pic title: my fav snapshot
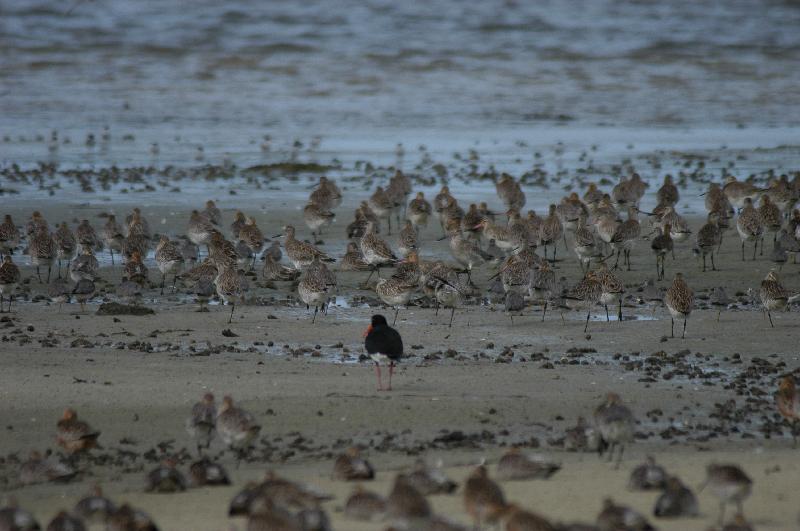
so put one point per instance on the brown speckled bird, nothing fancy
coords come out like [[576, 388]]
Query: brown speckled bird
[[237, 428], [679, 300], [9, 278], [483, 498], [615, 423], [202, 423], [351, 466], [788, 402], [516, 465], [730, 484], [75, 435]]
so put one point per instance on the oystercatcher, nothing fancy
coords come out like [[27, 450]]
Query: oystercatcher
[[383, 344]]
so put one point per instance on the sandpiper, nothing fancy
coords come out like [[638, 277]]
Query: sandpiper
[[586, 246], [709, 238], [135, 269], [351, 466], [9, 236], [615, 423], [730, 484], [42, 251], [212, 213], [407, 240], [677, 500], [679, 300], [85, 235], [375, 250], [202, 423], [9, 278], [229, 286], [662, 245], [300, 253], [542, 284], [668, 193], [771, 218], [275, 271], [364, 505], [237, 428], [317, 285], [773, 295], [252, 236], [516, 465], [430, 480], [75, 435], [483, 498], [316, 217], [551, 231], [419, 209], [165, 478], [788, 402], [205, 472], [382, 205], [592, 196], [137, 224], [648, 476], [112, 236], [83, 291], [624, 237], [199, 229], [239, 219], [353, 260], [739, 193], [613, 290], [395, 292], [169, 260], [66, 245], [586, 293]]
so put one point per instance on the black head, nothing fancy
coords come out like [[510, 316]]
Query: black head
[[379, 320]]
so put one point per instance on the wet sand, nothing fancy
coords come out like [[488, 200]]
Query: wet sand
[[496, 382]]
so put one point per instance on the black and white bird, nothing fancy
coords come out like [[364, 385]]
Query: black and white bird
[[384, 345]]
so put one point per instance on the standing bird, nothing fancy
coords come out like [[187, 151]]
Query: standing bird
[[749, 226], [237, 428], [773, 295], [419, 209], [375, 250], [316, 217], [252, 236], [169, 260], [586, 293], [484, 500], [9, 278], [9, 236], [212, 213], [300, 253], [395, 292], [83, 291], [613, 290], [615, 423], [200, 229], [668, 193], [351, 466], [65, 243], [316, 286], [679, 300], [788, 402], [624, 237], [229, 287], [202, 423], [662, 245], [42, 251], [730, 484], [383, 344], [709, 238], [551, 231], [113, 236]]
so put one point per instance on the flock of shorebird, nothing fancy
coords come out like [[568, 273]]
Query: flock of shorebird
[[475, 236], [279, 504]]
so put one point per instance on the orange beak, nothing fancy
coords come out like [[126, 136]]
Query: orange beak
[[368, 330]]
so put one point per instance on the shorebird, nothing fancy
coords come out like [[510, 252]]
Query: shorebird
[[199, 229], [406, 506], [137, 224], [615, 423], [300, 253], [679, 300], [229, 286], [252, 236], [375, 250], [35, 224], [678, 226], [395, 292], [516, 465], [483, 498], [9, 236], [605, 223], [716, 200], [449, 293], [419, 209], [788, 402], [542, 284], [59, 292], [430, 480], [676, 501], [205, 472], [771, 218], [16, 519], [9, 278], [613, 289], [383, 345], [517, 519], [624, 237], [510, 192], [75, 435], [662, 245], [648, 476], [316, 217], [738, 193], [94, 508], [364, 505], [202, 423], [165, 478], [112, 236], [399, 190], [42, 251], [126, 518], [592, 196], [586, 246], [222, 251], [586, 293], [668, 193], [326, 195], [466, 251], [85, 235], [351, 466], [41, 469], [316, 286], [551, 231], [499, 234], [782, 194], [730, 484], [63, 521], [614, 517], [709, 238], [773, 295], [212, 213], [135, 269], [382, 205], [353, 260], [275, 271], [236, 427], [83, 291], [239, 219], [66, 245], [169, 260]]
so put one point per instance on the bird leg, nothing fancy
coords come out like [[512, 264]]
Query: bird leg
[[163, 277], [313, 319], [770, 319], [673, 327], [452, 313], [59, 268], [49, 268], [174, 281], [704, 262], [38, 274], [619, 315], [391, 372], [112, 256], [586, 326], [616, 264], [683, 336], [742, 250], [544, 311], [378, 374], [607, 317], [755, 248], [230, 318], [1, 304], [619, 456], [396, 311]]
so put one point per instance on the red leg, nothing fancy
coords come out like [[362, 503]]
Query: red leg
[[378, 373], [391, 371]]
